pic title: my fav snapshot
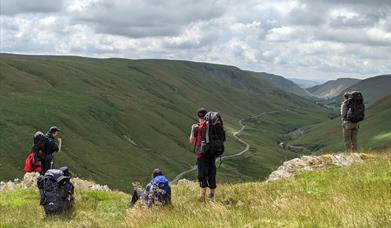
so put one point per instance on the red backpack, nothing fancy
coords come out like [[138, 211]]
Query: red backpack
[[33, 160], [32, 164]]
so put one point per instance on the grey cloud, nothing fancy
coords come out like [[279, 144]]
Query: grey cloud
[[139, 18], [13, 7], [309, 15], [345, 35], [316, 13]]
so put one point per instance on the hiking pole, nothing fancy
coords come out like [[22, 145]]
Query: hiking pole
[[51, 163], [221, 162]]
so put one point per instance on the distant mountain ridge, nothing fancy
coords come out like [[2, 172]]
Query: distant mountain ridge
[[332, 88], [303, 83], [284, 84]]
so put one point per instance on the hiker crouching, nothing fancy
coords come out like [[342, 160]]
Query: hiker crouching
[[157, 192]]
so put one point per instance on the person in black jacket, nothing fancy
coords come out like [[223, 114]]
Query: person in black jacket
[[54, 143]]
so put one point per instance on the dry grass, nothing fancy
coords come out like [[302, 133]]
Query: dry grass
[[355, 196]]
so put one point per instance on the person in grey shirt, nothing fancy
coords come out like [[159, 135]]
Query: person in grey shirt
[[349, 129]]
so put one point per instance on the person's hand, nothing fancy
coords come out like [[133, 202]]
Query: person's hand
[[193, 126]]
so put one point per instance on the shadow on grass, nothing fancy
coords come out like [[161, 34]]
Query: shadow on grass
[[63, 216]]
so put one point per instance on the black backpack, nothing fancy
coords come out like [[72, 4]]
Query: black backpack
[[56, 191], [356, 108], [40, 144], [215, 134]]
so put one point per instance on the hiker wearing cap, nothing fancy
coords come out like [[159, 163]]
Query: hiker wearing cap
[[206, 165], [54, 143], [157, 192]]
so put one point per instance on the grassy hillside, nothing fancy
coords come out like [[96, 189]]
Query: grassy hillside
[[121, 118], [332, 88], [284, 84], [354, 196], [375, 130], [373, 89]]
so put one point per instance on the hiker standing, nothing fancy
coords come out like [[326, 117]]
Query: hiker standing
[[208, 136], [54, 143], [352, 112]]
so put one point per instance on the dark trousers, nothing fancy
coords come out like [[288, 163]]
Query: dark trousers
[[138, 192], [207, 172], [46, 165]]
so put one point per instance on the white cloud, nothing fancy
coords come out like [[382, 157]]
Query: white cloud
[[300, 38]]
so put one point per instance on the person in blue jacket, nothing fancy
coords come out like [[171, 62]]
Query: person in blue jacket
[[157, 192]]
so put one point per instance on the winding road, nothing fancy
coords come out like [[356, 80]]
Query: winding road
[[235, 135]]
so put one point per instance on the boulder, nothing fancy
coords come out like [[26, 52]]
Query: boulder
[[310, 163]]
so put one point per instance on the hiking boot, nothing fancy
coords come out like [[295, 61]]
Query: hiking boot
[[201, 198], [211, 197], [202, 195]]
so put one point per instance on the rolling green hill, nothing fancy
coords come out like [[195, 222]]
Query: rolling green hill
[[332, 88], [284, 84], [375, 131], [121, 118]]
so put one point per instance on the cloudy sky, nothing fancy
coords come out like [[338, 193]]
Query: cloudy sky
[[310, 39]]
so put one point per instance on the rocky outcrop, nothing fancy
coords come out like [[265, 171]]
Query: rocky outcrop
[[30, 180], [310, 163], [84, 185]]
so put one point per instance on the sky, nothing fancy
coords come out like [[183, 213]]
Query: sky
[[307, 39]]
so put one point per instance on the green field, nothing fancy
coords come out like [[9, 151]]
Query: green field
[[374, 132], [121, 118], [354, 196]]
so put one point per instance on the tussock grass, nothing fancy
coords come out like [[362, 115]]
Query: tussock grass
[[354, 196]]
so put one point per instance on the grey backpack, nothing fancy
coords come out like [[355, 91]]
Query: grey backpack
[[56, 191]]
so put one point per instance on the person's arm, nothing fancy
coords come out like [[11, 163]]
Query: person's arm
[[59, 140], [192, 138], [148, 188], [52, 147], [344, 109]]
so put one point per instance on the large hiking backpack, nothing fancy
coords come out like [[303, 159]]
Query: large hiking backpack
[[41, 142], [56, 191], [214, 134], [160, 190], [356, 108], [34, 158]]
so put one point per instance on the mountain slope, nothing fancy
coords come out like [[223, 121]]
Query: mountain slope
[[332, 88], [284, 84], [122, 118], [375, 131], [373, 89], [354, 196]]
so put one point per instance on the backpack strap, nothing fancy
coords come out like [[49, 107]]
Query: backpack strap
[[208, 117]]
